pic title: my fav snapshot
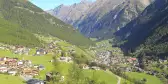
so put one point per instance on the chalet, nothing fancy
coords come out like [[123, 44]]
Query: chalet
[[131, 60], [12, 72], [62, 78], [2, 62], [51, 45], [3, 69], [41, 67], [20, 62], [1, 47], [41, 52], [49, 76], [65, 59], [84, 66], [95, 68], [36, 66], [28, 63], [26, 71], [11, 62], [29, 71], [35, 72]]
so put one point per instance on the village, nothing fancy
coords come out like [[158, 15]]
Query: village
[[103, 60], [18, 66]]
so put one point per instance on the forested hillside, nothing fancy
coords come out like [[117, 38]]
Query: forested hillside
[[148, 32], [34, 20], [14, 35]]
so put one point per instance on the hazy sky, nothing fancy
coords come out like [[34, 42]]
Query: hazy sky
[[50, 4]]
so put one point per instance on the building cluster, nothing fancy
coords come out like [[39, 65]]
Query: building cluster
[[14, 66], [21, 50], [107, 58]]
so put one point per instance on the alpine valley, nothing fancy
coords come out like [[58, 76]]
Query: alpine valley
[[90, 42]]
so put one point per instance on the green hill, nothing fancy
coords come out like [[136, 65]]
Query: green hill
[[35, 21], [14, 35]]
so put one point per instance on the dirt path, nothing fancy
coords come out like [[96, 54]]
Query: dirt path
[[119, 79]]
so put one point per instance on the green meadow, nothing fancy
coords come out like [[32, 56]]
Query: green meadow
[[140, 76]]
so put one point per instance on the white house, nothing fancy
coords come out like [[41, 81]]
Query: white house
[[95, 68], [62, 78], [3, 69], [12, 72], [20, 63], [85, 67], [65, 59], [2, 47]]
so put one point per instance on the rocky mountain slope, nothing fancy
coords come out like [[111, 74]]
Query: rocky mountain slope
[[103, 16], [148, 32], [70, 14], [33, 20]]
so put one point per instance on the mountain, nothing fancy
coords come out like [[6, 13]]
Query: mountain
[[70, 14], [148, 32], [118, 18], [103, 16], [87, 24], [28, 20]]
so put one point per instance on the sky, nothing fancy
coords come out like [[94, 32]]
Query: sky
[[50, 4]]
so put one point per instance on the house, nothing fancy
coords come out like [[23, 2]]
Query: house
[[12, 72], [30, 71], [49, 76], [36, 66], [35, 81], [27, 71], [95, 68], [41, 67], [35, 72], [3, 69], [84, 66], [11, 63], [51, 45], [65, 59], [1, 47], [62, 78], [27, 63], [41, 52], [20, 62], [131, 60], [2, 62]]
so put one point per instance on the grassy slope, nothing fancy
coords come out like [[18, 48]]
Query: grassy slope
[[150, 79], [108, 78], [13, 34], [31, 18]]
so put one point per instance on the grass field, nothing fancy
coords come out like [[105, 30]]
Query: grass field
[[150, 79], [7, 79], [107, 77]]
